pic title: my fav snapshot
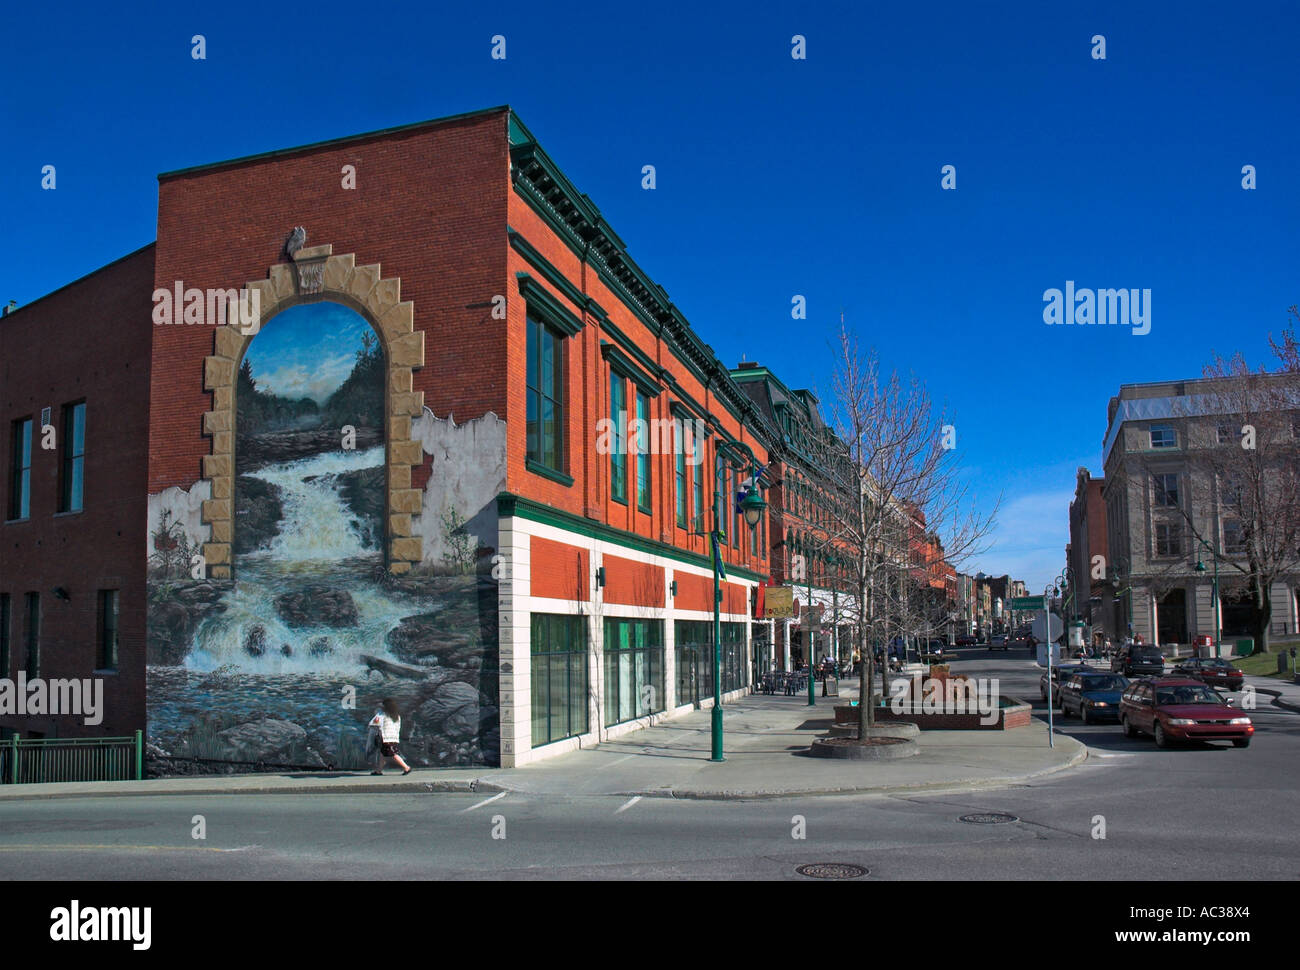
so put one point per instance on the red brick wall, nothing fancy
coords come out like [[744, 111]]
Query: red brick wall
[[587, 387], [559, 570], [631, 583], [89, 340], [429, 207]]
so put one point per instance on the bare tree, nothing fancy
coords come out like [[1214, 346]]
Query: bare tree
[[893, 454]]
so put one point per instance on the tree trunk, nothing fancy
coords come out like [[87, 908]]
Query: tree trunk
[[1263, 616]]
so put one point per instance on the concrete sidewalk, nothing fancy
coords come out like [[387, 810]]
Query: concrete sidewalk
[[766, 742], [1283, 693]]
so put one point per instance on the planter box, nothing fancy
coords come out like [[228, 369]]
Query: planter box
[[1011, 713]]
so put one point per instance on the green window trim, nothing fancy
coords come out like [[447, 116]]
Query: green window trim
[[683, 500], [552, 275], [548, 307], [623, 363], [619, 451], [643, 470], [20, 480], [544, 440], [537, 468], [72, 468], [559, 677]]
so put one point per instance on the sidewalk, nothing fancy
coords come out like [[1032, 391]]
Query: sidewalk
[[1284, 693], [766, 741]]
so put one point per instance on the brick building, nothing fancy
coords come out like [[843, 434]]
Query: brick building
[[449, 444]]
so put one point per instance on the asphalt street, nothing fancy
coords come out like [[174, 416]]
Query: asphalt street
[[1200, 812]]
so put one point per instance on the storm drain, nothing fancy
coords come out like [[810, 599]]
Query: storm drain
[[989, 818], [832, 870]]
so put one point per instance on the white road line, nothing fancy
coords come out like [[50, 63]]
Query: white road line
[[485, 801], [1099, 754], [628, 804]]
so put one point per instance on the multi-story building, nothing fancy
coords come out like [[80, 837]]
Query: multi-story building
[[1172, 501], [806, 499], [1093, 597], [394, 415]]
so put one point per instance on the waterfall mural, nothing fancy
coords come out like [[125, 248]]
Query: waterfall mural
[[283, 664]]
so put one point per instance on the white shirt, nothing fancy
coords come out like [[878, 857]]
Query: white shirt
[[390, 728]]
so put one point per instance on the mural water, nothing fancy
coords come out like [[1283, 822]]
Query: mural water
[[284, 665]]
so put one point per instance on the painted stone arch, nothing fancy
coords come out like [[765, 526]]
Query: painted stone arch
[[316, 275]]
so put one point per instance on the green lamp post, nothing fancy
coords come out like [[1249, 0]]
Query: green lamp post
[[752, 507]]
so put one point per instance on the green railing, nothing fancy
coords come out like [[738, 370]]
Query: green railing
[[35, 760]]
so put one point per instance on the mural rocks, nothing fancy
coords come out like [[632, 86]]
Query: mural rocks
[[174, 614], [270, 740], [317, 606], [270, 447], [320, 647], [255, 641], [363, 492], [258, 510]]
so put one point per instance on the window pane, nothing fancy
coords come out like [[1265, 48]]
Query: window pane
[[534, 432], [533, 351]]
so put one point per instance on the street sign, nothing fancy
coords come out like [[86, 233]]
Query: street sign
[[778, 602], [1026, 602], [1040, 628]]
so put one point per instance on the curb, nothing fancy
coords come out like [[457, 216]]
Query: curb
[[1277, 699], [489, 785]]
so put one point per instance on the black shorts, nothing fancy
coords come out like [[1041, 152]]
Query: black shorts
[[388, 748]]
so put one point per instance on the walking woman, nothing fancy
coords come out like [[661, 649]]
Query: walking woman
[[388, 722]]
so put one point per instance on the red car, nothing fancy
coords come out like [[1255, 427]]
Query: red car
[[1215, 672], [966, 641], [1181, 709]]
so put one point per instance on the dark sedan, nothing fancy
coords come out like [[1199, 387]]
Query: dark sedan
[[1138, 660], [1179, 709], [1215, 672], [1059, 672], [1094, 697]]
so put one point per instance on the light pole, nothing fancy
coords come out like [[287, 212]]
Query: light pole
[[1048, 595], [1117, 578], [752, 506], [1214, 589]]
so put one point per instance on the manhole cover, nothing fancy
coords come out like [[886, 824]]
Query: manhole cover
[[832, 870], [989, 818]]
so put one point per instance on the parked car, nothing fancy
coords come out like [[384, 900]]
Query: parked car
[[1181, 709], [999, 642], [1094, 696], [966, 641], [1214, 671], [1138, 660], [1057, 673]]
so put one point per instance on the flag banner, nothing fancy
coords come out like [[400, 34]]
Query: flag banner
[[718, 564]]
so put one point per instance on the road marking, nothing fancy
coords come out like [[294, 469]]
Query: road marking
[[1099, 754], [628, 804], [19, 847], [485, 801]]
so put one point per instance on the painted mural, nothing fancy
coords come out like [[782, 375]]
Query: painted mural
[[282, 665]]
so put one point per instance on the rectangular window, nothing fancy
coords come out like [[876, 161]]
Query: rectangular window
[[634, 669], [697, 484], [694, 653], [545, 383], [1234, 537], [643, 452], [1165, 491], [1163, 436], [33, 611], [618, 448], [719, 499], [4, 635], [108, 610], [559, 677], [1226, 435], [1169, 540], [683, 514], [20, 494], [72, 473]]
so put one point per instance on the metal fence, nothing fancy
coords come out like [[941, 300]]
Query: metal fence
[[35, 760]]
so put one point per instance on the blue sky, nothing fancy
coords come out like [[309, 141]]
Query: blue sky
[[307, 351], [775, 177]]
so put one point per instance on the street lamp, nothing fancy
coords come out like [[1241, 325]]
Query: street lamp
[[1214, 589], [752, 507], [1117, 578]]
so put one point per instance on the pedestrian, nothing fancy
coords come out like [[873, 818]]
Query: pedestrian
[[388, 723]]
